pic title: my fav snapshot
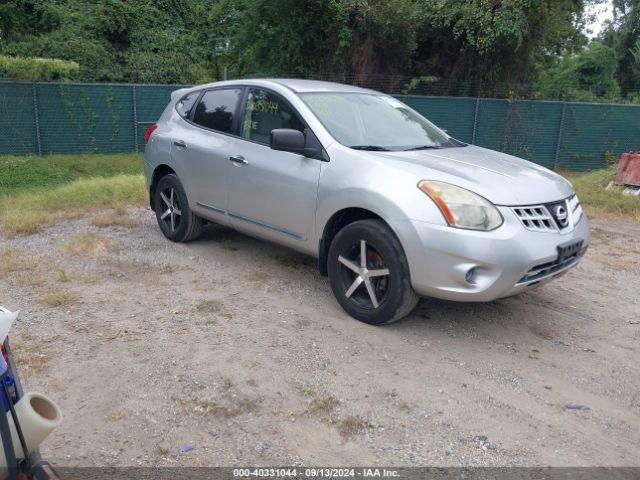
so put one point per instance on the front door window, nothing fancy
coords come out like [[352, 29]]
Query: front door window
[[266, 111]]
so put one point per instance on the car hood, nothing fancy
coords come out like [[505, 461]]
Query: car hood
[[503, 179]]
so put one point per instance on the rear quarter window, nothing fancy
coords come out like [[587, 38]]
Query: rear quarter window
[[185, 104]]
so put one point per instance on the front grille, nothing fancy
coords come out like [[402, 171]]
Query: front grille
[[539, 272], [536, 218], [551, 217]]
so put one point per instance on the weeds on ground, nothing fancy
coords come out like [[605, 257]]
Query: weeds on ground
[[234, 407], [63, 276], [58, 298], [291, 259], [324, 407], [16, 264], [304, 390], [30, 354], [112, 218], [89, 245], [215, 307], [597, 201], [351, 426], [115, 416], [257, 276], [14, 260], [162, 450], [230, 245], [227, 384], [318, 404]]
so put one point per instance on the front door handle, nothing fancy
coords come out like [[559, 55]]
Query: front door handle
[[180, 143], [239, 160]]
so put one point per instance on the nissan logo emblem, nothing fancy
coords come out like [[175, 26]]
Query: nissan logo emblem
[[561, 215]]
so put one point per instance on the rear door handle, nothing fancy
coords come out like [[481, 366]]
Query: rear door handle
[[238, 160], [180, 143]]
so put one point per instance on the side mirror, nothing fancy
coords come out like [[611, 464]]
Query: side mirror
[[288, 140]]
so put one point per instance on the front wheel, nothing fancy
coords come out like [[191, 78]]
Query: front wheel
[[369, 274]]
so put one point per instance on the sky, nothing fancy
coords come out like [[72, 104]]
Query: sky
[[604, 12]]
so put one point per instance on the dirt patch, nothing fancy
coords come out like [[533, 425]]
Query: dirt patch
[[202, 354], [114, 218], [89, 245]]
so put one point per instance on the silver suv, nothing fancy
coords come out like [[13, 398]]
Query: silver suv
[[391, 205]]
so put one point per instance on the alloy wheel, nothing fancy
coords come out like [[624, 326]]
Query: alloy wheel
[[364, 275], [173, 214]]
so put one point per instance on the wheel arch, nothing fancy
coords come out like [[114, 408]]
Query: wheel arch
[[159, 172], [337, 222]]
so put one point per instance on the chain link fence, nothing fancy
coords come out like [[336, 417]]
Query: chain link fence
[[50, 118]]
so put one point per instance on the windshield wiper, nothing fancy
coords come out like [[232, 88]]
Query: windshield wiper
[[423, 147], [373, 148]]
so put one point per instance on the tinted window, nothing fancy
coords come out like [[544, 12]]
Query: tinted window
[[265, 112], [185, 104], [217, 108]]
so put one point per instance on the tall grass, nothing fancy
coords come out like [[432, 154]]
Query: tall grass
[[599, 202], [32, 210], [18, 174]]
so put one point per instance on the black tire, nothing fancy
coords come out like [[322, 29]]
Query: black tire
[[186, 226], [393, 292]]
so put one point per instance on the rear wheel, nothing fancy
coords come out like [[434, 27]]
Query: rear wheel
[[174, 216], [369, 273]]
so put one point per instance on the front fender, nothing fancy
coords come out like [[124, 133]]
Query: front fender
[[387, 191]]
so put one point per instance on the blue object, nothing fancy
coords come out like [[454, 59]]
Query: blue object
[[11, 387], [3, 365]]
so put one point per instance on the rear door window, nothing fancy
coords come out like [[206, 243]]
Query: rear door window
[[217, 108], [266, 111]]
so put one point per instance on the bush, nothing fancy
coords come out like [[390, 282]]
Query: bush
[[28, 68]]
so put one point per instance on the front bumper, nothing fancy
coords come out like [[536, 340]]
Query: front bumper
[[506, 261]]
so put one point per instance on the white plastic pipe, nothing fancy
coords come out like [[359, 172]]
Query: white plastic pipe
[[38, 416]]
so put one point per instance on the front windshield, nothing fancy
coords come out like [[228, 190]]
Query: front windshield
[[375, 122]]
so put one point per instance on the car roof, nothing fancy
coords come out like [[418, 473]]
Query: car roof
[[306, 86], [294, 84]]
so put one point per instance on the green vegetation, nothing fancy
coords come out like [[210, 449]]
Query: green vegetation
[[588, 76], [30, 211], [149, 41], [37, 191], [472, 46], [37, 68], [601, 203], [32, 173]]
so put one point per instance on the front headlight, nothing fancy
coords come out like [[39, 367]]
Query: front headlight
[[462, 208]]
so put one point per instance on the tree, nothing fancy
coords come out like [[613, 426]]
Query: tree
[[461, 42], [623, 36], [587, 76], [112, 40], [471, 46]]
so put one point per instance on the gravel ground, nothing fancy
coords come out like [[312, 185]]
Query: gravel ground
[[231, 351]]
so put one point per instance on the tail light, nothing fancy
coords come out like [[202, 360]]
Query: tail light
[[147, 135]]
